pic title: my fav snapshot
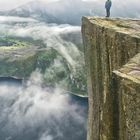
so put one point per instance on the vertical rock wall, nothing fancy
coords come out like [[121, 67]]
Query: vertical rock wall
[[127, 79], [109, 44]]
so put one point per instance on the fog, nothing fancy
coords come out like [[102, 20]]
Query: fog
[[53, 36], [10, 19], [30, 111], [69, 12], [120, 8], [127, 8], [33, 112]]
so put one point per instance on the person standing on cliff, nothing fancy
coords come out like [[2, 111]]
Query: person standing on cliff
[[108, 6]]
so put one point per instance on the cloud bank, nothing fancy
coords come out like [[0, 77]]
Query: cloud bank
[[31, 112], [127, 8], [69, 11], [34, 113], [62, 38]]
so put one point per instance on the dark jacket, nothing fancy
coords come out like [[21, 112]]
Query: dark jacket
[[108, 4]]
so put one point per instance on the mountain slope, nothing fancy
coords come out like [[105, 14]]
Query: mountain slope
[[34, 9], [60, 12]]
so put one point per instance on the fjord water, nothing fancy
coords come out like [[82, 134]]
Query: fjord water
[[31, 112]]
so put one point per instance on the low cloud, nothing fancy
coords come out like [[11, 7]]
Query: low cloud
[[34, 113], [52, 35], [66, 11], [6, 19], [31, 111]]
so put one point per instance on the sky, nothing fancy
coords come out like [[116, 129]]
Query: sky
[[37, 113], [9, 4], [130, 5]]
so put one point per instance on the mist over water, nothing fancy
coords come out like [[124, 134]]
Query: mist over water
[[51, 34], [62, 38], [33, 112]]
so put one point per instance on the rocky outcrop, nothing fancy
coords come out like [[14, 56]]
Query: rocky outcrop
[[21, 60], [113, 85], [19, 57], [127, 81]]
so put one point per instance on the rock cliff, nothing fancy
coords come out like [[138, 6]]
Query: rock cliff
[[113, 71]]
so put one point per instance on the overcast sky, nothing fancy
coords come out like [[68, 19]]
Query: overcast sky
[[9, 4], [125, 8]]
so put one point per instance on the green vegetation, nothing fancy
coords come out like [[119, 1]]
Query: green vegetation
[[19, 57], [45, 59], [10, 43]]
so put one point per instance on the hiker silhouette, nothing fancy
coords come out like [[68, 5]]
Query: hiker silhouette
[[108, 5]]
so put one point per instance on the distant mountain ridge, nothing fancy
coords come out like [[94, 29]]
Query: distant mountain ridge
[[60, 12], [34, 9]]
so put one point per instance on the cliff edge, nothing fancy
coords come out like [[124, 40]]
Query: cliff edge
[[112, 48]]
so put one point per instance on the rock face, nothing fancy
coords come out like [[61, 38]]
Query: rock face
[[127, 81], [20, 61], [113, 79]]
